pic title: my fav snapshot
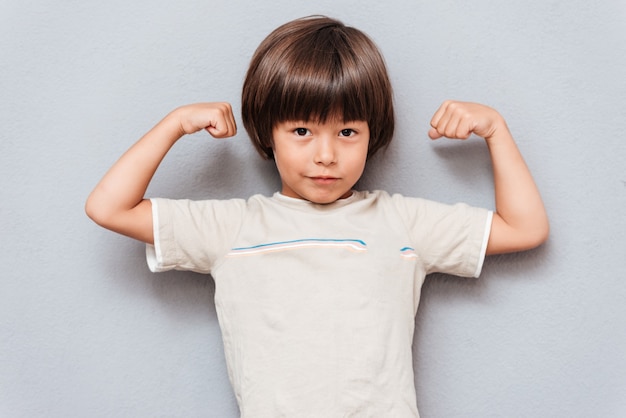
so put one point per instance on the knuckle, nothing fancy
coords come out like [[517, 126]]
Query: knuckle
[[452, 105]]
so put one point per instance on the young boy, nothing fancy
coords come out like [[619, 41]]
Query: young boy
[[317, 286]]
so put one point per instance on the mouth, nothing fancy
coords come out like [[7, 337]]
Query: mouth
[[324, 180]]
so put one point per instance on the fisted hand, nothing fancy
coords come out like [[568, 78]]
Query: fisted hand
[[458, 120], [216, 118]]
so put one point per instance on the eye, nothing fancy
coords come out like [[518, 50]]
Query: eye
[[346, 132], [301, 131]]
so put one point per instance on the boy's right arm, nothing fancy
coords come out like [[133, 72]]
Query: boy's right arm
[[117, 202]]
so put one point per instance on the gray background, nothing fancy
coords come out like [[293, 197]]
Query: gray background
[[87, 330]]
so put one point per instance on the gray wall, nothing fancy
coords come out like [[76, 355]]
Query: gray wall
[[86, 330]]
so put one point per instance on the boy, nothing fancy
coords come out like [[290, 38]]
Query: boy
[[317, 286]]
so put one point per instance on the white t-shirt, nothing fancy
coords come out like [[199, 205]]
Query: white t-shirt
[[316, 303]]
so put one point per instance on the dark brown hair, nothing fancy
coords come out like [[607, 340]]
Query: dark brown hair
[[313, 69]]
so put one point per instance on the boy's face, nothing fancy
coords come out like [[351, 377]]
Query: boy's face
[[320, 162]]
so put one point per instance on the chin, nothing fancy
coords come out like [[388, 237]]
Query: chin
[[325, 200], [322, 201]]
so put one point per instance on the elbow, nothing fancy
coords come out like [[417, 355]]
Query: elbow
[[91, 210], [95, 212], [539, 240], [535, 231], [539, 235]]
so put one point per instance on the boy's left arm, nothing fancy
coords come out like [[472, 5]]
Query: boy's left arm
[[520, 221]]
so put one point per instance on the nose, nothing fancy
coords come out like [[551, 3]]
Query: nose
[[325, 152]]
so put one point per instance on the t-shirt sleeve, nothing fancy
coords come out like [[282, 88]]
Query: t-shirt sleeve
[[448, 239], [192, 235]]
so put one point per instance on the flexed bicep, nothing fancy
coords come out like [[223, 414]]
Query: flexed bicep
[[117, 202]]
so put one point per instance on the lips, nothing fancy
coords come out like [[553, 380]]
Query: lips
[[324, 180]]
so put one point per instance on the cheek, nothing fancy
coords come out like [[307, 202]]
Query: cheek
[[359, 167], [358, 158], [286, 161]]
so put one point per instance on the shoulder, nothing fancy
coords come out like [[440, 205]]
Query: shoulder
[[191, 204], [197, 212], [424, 211], [397, 200]]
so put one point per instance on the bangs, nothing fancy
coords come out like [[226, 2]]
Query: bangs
[[321, 84]]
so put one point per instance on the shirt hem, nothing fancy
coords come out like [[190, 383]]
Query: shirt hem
[[483, 248]]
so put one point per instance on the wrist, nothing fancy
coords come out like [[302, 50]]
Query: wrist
[[499, 130], [173, 126]]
